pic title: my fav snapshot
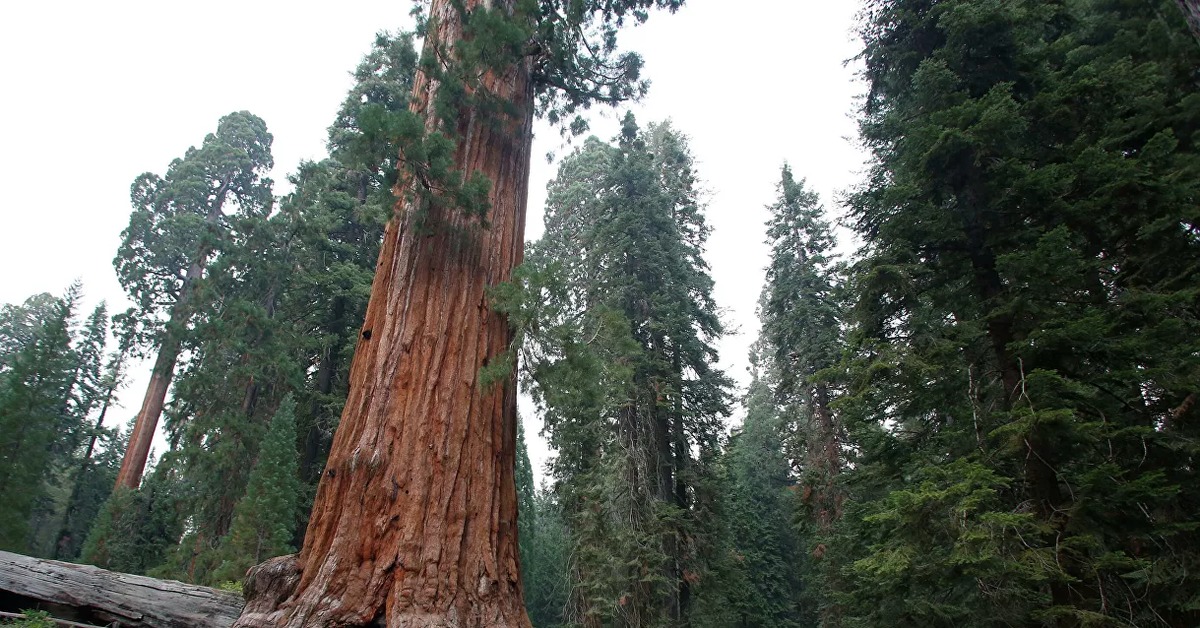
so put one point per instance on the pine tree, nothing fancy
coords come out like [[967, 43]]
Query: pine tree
[[621, 266], [758, 579], [265, 519], [136, 529], [526, 492], [1029, 235], [545, 563], [36, 425], [19, 325], [802, 321]]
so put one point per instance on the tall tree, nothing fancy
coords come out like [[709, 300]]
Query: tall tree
[[265, 519], [414, 521], [757, 582], [802, 321], [340, 206], [178, 222], [620, 322], [1030, 226], [36, 422]]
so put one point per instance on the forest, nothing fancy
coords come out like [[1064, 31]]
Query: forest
[[972, 400]]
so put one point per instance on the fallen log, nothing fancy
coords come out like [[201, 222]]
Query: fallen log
[[131, 601]]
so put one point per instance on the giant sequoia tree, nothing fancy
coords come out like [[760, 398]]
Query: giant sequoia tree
[[178, 222], [414, 522]]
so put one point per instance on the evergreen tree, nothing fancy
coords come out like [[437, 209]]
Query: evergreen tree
[[36, 424], [340, 206], [51, 385], [101, 457], [179, 221], [264, 521], [136, 529], [19, 324], [455, 234], [621, 266], [1030, 238], [545, 563], [277, 313], [758, 579], [802, 321], [526, 495]]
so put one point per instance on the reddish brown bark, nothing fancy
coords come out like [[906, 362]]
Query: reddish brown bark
[[146, 422], [414, 522]]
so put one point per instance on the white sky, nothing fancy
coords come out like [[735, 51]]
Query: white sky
[[93, 94]]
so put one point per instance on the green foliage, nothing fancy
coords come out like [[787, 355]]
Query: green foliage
[[264, 521], [35, 392], [543, 546], [51, 384], [136, 529], [1029, 224], [616, 310], [566, 49], [757, 574], [31, 619], [545, 563], [181, 219]]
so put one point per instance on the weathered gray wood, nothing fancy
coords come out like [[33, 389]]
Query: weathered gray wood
[[134, 601]]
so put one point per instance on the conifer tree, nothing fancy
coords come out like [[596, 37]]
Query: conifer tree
[[340, 206], [36, 424], [264, 521], [802, 320], [465, 150], [19, 324], [758, 579], [545, 563], [136, 529], [179, 221], [1029, 229], [621, 266]]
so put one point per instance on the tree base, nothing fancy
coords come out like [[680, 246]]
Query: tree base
[[270, 586]]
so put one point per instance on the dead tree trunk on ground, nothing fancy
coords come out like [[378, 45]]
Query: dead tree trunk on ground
[[132, 601]]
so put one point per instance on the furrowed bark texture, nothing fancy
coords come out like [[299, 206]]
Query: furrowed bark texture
[[415, 518]]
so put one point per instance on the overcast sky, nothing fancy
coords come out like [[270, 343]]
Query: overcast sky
[[93, 94]]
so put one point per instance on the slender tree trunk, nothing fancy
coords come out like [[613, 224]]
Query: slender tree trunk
[[415, 518], [146, 422]]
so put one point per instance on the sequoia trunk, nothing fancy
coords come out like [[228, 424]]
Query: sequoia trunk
[[146, 422], [415, 517]]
